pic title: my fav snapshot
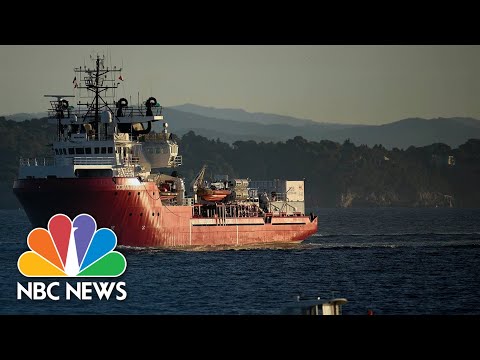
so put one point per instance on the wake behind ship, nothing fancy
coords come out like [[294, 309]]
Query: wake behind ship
[[106, 162]]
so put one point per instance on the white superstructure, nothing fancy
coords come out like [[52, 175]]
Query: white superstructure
[[101, 136]]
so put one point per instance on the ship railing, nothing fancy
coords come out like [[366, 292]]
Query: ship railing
[[125, 171], [133, 161], [37, 162], [139, 110], [224, 211], [284, 210], [154, 136], [127, 111], [276, 196], [91, 160]]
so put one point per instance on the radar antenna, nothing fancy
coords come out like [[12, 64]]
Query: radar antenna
[[96, 82], [58, 108]]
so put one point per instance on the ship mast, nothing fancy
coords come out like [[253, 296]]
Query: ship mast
[[97, 92], [97, 84]]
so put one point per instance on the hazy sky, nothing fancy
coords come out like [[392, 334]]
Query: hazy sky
[[343, 84]]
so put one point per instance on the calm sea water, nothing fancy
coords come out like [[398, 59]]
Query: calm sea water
[[393, 261]]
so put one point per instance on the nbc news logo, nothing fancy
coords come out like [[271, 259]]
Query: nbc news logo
[[72, 249]]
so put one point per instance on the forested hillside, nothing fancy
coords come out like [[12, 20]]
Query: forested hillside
[[335, 174]]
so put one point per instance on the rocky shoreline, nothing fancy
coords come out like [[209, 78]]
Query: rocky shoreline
[[392, 199]]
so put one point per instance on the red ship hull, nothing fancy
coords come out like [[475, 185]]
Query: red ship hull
[[134, 210]]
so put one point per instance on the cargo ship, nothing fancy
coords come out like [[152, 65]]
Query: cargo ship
[[106, 161]]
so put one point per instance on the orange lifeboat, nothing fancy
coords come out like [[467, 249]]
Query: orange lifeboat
[[166, 195], [213, 195]]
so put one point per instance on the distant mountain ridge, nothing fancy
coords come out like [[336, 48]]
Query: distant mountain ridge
[[413, 132], [258, 117], [400, 134], [230, 125]]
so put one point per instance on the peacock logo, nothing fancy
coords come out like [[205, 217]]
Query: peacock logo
[[72, 249]]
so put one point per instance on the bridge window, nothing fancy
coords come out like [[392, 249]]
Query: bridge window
[[64, 151], [88, 150], [71, 151], [56, 151], [80, 151], [103, 150], [96, 150], [110, 150]]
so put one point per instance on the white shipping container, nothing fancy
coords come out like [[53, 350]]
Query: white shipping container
[[295, 190]]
